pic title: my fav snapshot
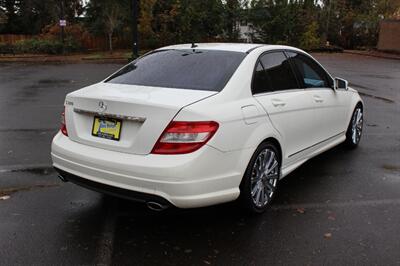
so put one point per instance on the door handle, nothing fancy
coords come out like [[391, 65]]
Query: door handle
[[277, 102], [318, 99]]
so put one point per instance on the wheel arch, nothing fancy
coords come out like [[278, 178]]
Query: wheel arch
[[272, 140], [354, 102], [275, 142], [361, 104], [244, 183]]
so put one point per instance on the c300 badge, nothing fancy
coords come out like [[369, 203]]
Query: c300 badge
[[102, 106]]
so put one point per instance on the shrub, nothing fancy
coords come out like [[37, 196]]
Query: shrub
[[309, 39], [40, 46], [6, 48]]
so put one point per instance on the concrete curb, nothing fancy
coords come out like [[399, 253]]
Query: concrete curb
[[61, 59], [80, 61], [382, 55]]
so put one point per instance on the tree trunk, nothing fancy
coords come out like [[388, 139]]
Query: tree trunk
[[110, 34]]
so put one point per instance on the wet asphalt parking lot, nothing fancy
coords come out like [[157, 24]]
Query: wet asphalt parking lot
[[341, 208]]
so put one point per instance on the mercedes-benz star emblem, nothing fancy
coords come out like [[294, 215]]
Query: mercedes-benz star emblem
[[102, 106]]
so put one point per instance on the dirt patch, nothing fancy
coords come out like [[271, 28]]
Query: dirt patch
[[9, 191], [390, 167], [36, 170]]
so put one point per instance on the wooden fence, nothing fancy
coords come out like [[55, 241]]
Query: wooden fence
[[101, 43], [389, 36], [13, 38]]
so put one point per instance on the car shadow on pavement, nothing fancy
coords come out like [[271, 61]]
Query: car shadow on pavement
[[218, 233]]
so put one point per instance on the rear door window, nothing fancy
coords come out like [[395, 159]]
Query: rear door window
[[181, 69], [278, 72]]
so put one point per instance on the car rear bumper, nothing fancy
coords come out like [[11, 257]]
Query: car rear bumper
[[205, 177], [112, 190]]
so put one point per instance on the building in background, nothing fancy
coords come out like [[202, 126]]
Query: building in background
[[389, 35], [246, 31], [3, 17]]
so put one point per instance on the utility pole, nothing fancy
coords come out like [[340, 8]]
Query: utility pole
[[62, 25], [329, 18], [135, 15]]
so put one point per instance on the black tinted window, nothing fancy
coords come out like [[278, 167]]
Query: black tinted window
[[312, 75], [260, 82], [181, 69], [278, 71]]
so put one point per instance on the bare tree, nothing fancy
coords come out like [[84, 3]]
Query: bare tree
[[112, 21]]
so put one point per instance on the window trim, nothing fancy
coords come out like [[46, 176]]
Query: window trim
[[285, 51], [291, 67]]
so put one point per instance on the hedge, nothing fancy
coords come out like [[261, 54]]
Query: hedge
[[40, 46]]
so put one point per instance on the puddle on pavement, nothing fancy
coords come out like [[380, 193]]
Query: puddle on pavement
[[55, 81], [360, 86], [32, 170]]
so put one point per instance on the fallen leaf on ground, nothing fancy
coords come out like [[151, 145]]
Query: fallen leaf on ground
[[6, 197], [328, 235], [331, 217], [301, 210]]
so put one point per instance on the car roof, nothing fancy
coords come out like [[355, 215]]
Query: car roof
[[233, 47]]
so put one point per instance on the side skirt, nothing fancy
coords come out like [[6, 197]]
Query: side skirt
[[312, 152]]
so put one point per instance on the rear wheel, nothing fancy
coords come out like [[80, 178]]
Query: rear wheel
[[354, 131], [261, 178]]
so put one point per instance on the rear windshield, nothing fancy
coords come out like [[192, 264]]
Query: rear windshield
[[182, 69]]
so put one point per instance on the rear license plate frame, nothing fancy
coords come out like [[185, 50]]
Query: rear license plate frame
[[96, 129]]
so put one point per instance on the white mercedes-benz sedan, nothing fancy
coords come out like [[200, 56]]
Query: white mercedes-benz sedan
[[194, 125]]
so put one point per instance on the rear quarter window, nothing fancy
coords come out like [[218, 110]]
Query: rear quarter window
[[181, 69]]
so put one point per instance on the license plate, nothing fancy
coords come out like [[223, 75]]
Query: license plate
[[107, 128]]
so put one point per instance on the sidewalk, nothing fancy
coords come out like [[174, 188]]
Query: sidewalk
[[374, 53]]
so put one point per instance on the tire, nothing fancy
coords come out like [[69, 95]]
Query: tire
[[258, 187], [354, 130]]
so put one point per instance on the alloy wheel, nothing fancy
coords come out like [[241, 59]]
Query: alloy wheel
[[357, 125], [264, 177]]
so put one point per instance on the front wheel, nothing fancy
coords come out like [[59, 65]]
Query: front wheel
[[354, 131], [261, 178]]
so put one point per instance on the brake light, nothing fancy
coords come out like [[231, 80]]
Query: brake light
[[184, 137], [63, 127]]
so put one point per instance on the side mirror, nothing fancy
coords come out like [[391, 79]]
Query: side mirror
[[341, 84]]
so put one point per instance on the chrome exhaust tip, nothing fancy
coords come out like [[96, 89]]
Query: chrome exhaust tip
[[155, 206]]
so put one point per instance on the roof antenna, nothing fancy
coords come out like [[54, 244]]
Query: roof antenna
[[194, 45]]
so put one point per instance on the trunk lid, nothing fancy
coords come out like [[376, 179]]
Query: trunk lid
[[145, 113]]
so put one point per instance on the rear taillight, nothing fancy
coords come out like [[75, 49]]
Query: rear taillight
[[184, 137], [63, 127]]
